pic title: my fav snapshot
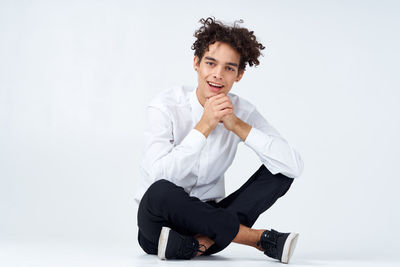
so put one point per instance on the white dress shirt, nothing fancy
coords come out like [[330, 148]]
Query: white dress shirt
[[175, 151]]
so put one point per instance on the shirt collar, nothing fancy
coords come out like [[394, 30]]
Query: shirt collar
[[197, 108]]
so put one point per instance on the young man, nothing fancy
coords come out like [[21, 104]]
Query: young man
[[190, 141]]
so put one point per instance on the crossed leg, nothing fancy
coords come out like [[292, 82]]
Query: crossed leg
[[216, 225], [245, 236]]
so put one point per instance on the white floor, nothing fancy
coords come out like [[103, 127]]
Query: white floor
[[51, 255]]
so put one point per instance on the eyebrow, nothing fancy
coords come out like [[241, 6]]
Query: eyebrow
[[228, 63]]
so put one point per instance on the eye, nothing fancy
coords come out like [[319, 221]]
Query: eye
[[210, 63], [230, 69]]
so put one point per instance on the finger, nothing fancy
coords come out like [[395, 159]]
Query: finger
[[215, 97], [222, 100], [224, 105], [225, 112]]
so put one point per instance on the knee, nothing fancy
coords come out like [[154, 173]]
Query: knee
[[159, 190], [159, 186], [286, 182], [281, 181], [281, 178]]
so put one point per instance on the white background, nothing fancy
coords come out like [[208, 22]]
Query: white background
[[75, 77]]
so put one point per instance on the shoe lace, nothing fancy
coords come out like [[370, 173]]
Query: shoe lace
[[189, 248], [203, 247]]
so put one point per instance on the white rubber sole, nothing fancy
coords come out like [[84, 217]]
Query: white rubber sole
[[289, 246], [162, 242]]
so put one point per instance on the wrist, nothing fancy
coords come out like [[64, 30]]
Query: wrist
[[241, 128], [203, 127], [236, 122]]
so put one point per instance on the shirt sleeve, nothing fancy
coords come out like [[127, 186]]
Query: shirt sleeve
[[162, 158], [272, 149]]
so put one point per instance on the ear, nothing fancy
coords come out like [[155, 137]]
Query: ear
[[196, 62], [240, 75]]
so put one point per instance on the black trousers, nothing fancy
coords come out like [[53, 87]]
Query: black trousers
[[165, 204]]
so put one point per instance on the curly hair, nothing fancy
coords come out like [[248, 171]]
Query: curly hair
[[240, 39]]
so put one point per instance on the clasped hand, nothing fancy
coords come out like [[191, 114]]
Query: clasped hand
[[219, 108]]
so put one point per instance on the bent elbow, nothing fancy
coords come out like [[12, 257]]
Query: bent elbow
[[299, 167]]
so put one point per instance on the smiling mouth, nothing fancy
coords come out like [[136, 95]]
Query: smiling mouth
[[215, 86]]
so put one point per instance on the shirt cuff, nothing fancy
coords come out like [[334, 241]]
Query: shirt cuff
[[257, 139], [195, 140]]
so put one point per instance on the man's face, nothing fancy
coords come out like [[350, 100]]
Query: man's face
[[217, 71]]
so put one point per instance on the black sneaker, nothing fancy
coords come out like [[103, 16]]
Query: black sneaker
[[173, 245], [278, 245]]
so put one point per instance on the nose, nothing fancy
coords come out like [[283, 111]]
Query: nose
[[218, 73]]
